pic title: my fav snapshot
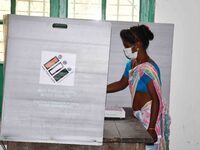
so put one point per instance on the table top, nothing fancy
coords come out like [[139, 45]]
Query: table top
[[128, 130]]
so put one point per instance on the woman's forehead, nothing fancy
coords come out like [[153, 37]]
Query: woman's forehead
[[127, 44]]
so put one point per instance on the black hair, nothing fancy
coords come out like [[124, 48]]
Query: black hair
[[127, 36], [143, 33], [135, 33]]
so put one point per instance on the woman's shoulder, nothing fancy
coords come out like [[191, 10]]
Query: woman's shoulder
[[154, 64], [156, 67]]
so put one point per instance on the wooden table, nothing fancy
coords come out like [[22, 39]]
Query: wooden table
[[126, 134]]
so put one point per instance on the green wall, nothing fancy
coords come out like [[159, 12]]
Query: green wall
[[1, 86]]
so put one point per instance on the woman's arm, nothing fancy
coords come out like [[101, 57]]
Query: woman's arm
[[117, 86], [154, 110]]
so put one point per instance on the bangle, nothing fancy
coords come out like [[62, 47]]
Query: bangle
[[151, 128]]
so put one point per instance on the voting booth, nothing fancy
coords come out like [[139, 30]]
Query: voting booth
[[56, 73], [55, 80]]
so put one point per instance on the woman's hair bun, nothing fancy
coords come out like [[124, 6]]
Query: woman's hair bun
[[147, 32]]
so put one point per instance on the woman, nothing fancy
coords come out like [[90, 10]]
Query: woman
[[142, 75]]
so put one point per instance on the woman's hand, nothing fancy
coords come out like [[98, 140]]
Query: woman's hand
[[153, 134]]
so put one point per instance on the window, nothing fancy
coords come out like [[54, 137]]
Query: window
[[84, 9], [119, 10], [122, 10], [116, 10], [23, 7], [33, 7], [4, 9]]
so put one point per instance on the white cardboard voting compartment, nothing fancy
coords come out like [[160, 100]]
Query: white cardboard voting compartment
[[37, 108]]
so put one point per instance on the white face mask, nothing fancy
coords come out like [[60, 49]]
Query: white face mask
[[128, 53]]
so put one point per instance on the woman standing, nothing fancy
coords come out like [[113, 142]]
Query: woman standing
[[142, 75]]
